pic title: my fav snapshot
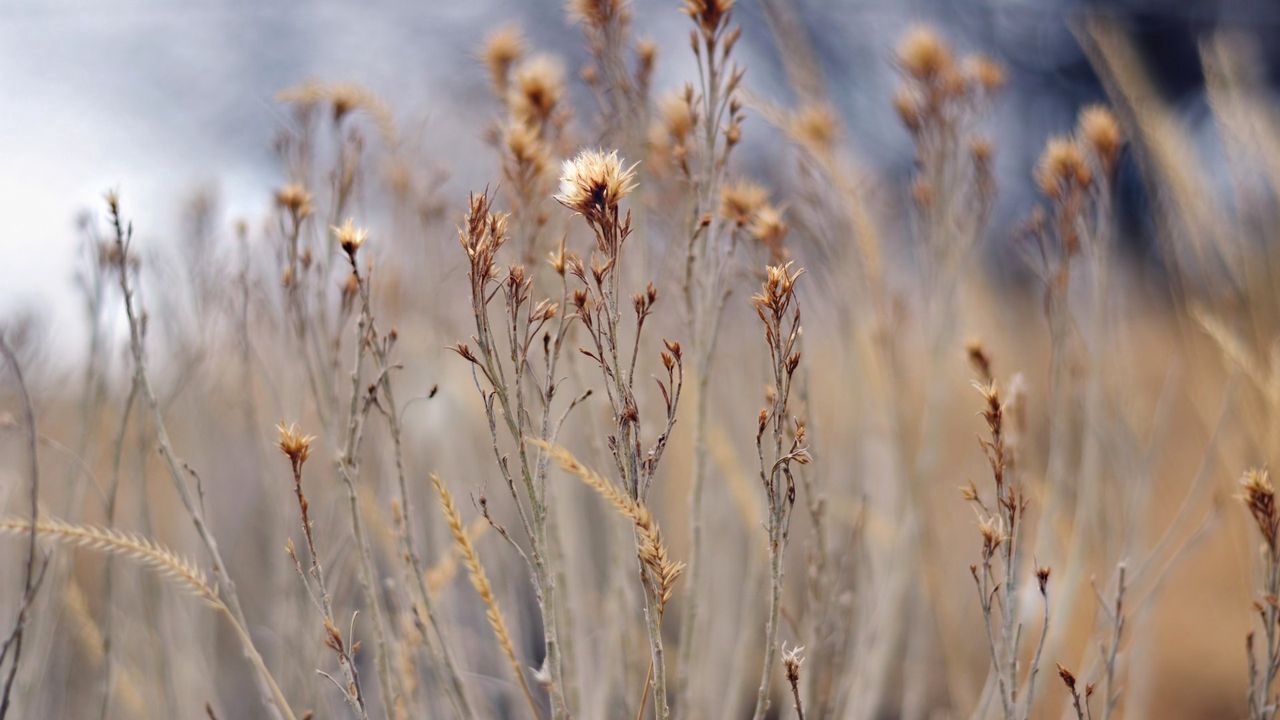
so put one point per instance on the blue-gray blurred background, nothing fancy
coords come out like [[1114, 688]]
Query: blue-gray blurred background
[[163, 99]]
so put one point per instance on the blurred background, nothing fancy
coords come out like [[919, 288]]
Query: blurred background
[[177, 98]]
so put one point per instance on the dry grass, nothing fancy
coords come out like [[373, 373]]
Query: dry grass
[[619, 305]]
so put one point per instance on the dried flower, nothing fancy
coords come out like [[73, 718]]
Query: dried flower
[[536, 89], [814, 126], [922, 54], [677, 115], [792, 660], [294, 444], [769, 229], [350, 237], [594, 181], [739, 201], [907, 105], [778, 289], [1068, 678], [708, 14], [1099, 129], [991, 528], [1259, 495], [502, 48], [294, 198], [1062, 168], [527, 149], [596, 13], [985, 72]]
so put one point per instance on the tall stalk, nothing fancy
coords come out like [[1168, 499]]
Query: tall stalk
[[779, 312]]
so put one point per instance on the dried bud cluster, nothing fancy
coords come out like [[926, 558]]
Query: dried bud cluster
[[296, 200], [739, 201], [770, 230], [924, 55], [1062, 170], [778, 290], [814, 126], [711, 16], [1099, 130], [938, 102], [481, 234], [502, 48], [294, 444], [1259, 495], [536, 91]]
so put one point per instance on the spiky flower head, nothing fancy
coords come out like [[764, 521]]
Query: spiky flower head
[[986, 72], [350, 237], [708, 15], [741, 200], [792, 660], [1259, 495], [537, 86], [922, 54], [294, 198], [1062, 168], [502, 48], [814, 126], [597, 13], [769, 229], [294, 443], [1099, 129], [594, 181]]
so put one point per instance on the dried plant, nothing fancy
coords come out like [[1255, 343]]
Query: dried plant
[[1259, 496], [332, 302], [297, 447], [592, 185], [162, 560], [792, 660], [780, 442], [1001, 526]]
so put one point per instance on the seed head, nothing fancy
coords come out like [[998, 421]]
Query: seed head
[[991, 528], [907, 105], [1259, 495], [922, 54], [792, 660], [677, 115], [594, 181], [293, 443], [985, 72], [596, 13], [708, 14], [350, 237], [536, 90], [294, 198], [778, 289], [502, 48], [528, 151], [769, 229], [1062, 168], [814, 126], [739, 201], [1099, 129], [1068, 678]]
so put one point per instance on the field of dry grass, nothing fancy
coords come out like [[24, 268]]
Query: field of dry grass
[[628, 433]]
